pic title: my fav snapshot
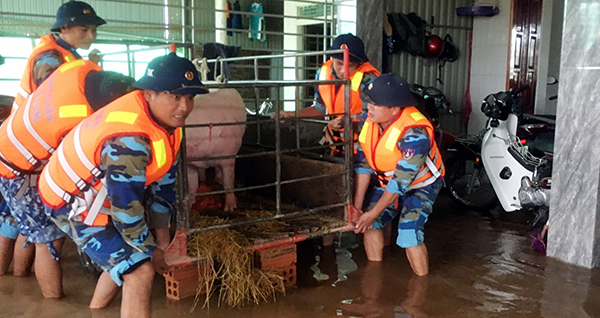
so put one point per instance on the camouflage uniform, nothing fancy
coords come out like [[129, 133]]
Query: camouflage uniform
[[126, 242], [415, 205], [27, 216]]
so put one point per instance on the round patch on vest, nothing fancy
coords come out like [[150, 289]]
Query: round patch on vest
[[189, 75], [408, 153]]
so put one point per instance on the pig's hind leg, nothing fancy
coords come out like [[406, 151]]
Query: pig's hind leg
[[226, 174]]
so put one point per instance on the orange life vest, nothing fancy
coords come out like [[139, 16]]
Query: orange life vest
[[333, 96], [70, 172], [27, 86], [32, 132], [383, 154]]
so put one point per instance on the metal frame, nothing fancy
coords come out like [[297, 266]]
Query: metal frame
[[183, 193]]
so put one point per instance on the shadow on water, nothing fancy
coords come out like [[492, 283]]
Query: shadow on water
[[480, 267]]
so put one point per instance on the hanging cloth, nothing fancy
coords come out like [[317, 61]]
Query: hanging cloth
[[257, 22], [236, 18]]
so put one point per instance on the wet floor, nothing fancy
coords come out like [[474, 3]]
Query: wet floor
[[480, 267]]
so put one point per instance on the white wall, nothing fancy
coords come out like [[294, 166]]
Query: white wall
[[491, 39]]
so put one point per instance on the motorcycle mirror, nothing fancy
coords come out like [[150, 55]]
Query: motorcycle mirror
[[551, 80]]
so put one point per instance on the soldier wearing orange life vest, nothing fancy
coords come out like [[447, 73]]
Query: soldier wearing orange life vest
[[29, 136], [75, 27], [396, 143], [329, 99], [113, 179]]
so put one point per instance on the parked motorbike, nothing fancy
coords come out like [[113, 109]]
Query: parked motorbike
[[431, 101], [498, 166]]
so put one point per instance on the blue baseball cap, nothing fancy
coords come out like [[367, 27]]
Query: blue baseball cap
[[75, 13], [171, 74], [388, 90], [355, 46]]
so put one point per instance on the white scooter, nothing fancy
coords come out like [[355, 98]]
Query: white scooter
[[497, 166]]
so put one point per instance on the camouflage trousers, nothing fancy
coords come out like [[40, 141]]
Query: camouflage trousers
[[26, 207], [414, 209], [103, 244]]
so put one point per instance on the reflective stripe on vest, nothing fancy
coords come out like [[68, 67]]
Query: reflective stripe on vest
[[32, 132], [68, 176], [333, 97], [383, 154]]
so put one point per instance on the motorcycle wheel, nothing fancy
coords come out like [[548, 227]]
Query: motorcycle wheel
[[469, 185], [87, 262]]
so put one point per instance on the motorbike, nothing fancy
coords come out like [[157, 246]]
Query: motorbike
[[497, 166], [431, 101]]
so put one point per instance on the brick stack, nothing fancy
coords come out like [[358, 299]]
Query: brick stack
[[183, 281], [280, 258]]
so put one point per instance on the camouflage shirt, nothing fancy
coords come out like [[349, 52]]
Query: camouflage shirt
[[49, 61], [318, 102], [415, 140], [124, 160]]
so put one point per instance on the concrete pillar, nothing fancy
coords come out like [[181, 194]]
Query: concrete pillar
[[369, 27], [574, 233]]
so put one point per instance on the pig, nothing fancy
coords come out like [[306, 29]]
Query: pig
[[218, 106]]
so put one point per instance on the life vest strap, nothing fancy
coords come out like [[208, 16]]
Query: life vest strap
[[83, 158], [16, 143], [62, 160], [31, 130]]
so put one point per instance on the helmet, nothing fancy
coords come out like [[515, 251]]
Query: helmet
[[497, 106], [75, 13], [451, 51], [435, 46]]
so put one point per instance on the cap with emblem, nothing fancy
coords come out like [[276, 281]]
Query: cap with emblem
[[388, 90], [171, 74], [355, 45], [75, 13]]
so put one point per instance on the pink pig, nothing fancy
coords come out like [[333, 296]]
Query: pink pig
[[218, 106]]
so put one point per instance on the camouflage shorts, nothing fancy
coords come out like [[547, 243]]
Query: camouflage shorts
[[414, 209], [103, 244], [29, 212], [8, 225]]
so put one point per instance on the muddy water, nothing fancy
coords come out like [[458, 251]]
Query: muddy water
[[480, 267]]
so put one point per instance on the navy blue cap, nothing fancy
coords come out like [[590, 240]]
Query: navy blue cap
[[388, 90], [355, 46], [75, 13], [171, 74]]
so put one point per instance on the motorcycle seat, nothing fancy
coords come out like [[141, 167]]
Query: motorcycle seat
[[544, 143]]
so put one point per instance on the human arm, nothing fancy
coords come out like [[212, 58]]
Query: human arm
[[161, 206], [124, 159], [44, 65]]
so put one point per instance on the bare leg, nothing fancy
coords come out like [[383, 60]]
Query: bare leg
[[418, 259], [387, 234], [328, 239], [137, 287], [105, 291], [48, 271], [23, 257], [373, 241], [228, 170], [7, 246]]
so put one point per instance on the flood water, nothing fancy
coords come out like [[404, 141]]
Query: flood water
[[479, 267]]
